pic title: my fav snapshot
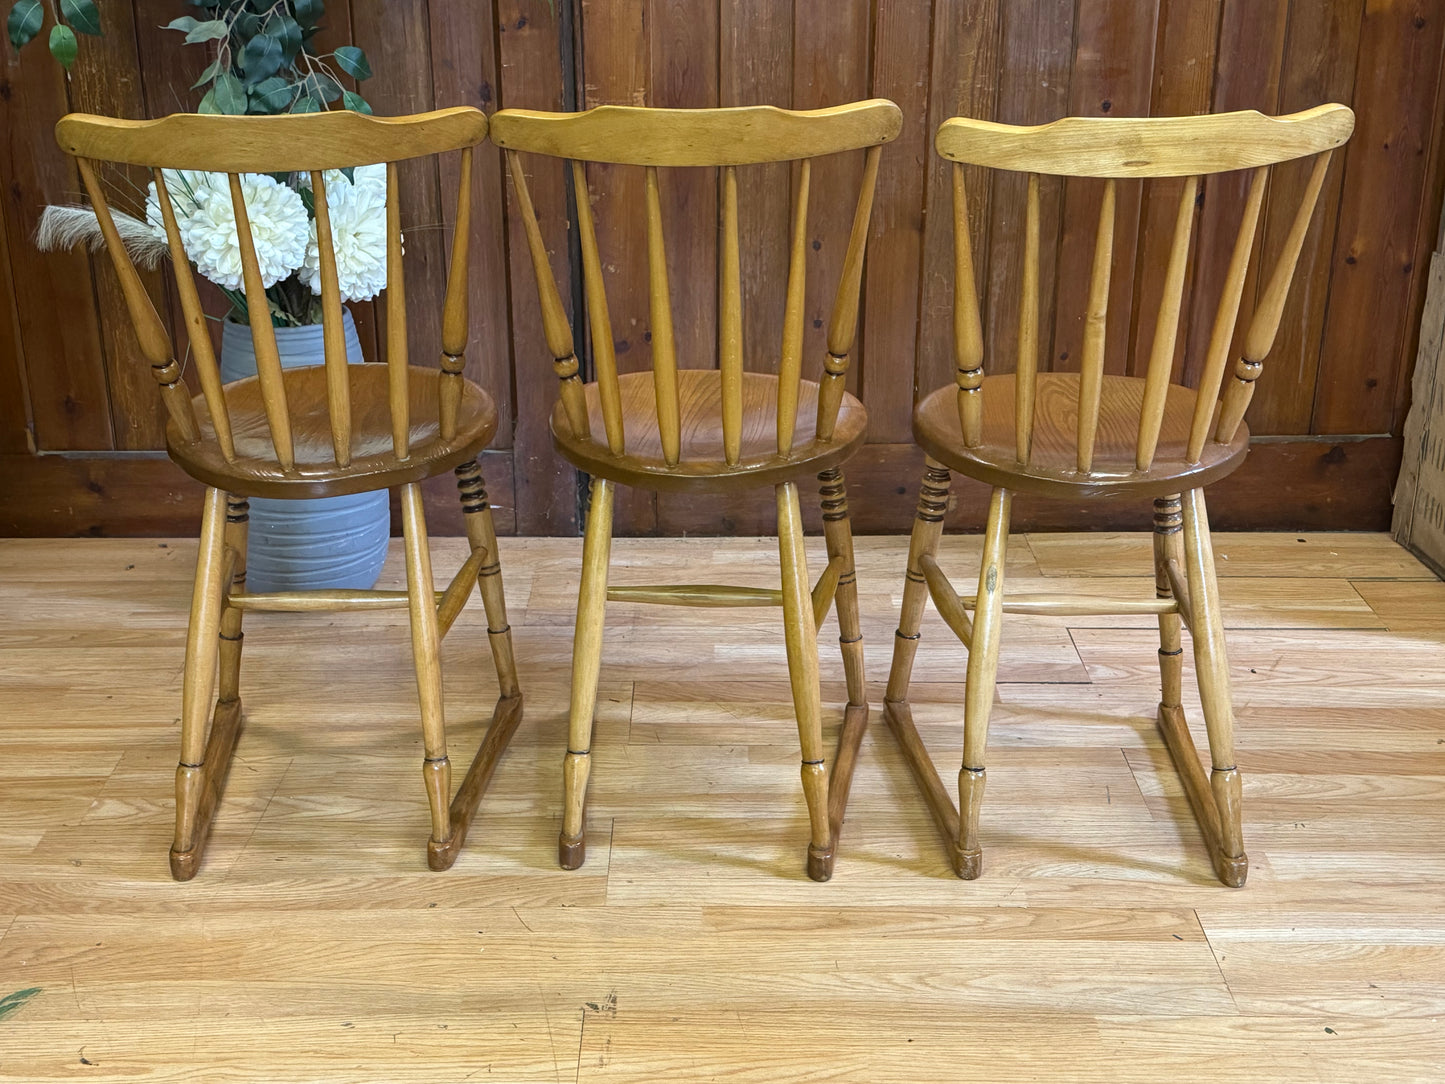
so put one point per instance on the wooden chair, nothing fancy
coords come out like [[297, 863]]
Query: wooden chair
[[711, 430], [1085, 435], [313, 432]]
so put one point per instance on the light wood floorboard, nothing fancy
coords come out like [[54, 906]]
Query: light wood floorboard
[[315, 945]]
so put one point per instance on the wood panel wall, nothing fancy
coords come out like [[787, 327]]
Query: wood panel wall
[[79, 420]]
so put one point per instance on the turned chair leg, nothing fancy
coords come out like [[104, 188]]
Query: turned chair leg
[[482, 538], [482, 535], [1211, 663], [801, 637], [426, 655], [838, 534], [238, 514], [205, 760], [927, 530], [586, 664], [982, 674]]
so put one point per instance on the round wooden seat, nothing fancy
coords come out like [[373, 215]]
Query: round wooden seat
[[374, 465], [702, 467], [1053, 469]]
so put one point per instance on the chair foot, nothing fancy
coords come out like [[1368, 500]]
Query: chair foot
[[1231, 869], [505, 718], [820, 862], [225, 729], [571, 853], [967, 864], [186, 864]]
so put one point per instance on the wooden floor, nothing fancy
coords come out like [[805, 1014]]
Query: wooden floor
[[316, 946]]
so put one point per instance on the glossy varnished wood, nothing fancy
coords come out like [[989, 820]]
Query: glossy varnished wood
[[702, 465], [260, 144], [697, 137], [1146, 146], [374, 463], [1089, 435], [1053, 465], [317, 431], [679, 426]]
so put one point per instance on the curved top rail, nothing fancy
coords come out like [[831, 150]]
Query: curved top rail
[[735, 136], [1146, 146], [287, 142]]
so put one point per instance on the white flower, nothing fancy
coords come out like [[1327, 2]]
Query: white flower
[[358, 234], [207, 224]]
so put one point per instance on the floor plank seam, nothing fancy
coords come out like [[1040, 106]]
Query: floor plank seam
[[1218, 966]]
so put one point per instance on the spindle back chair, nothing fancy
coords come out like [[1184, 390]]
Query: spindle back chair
[[1087, 434], [314, 431], [711, 430]]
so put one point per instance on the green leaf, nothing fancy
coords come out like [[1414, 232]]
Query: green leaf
[[351, 100], [81, 14], [246, 25], [261, 58], [208, 102], [322, 87], [288, 32], [353, 62], [307, 103], [309, 11], [62, 44], [186, 23], [230, 94], [212, 70], [11, 1003], [211, 30], [272, 95], [24, 22]]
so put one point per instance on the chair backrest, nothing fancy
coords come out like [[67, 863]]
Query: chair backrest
[[726, 139], [309, 143], [1119, 148]]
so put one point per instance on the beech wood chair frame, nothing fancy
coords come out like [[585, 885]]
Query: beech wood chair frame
[[312, 432], [712, 430], [1146, 437]]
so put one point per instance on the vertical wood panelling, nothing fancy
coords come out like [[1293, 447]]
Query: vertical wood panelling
[[900, 71], [616, 69], [682, 38], [755, 67], [831, 41], [397, 40], [69, 400], [1251, 48], [1340, 363], [530, 62], [963, 82], [464, 72], [15, 436], [1112, 71], [107, 80], [1035, 54], [1319, 66], [1183, 77], [1374, 257]]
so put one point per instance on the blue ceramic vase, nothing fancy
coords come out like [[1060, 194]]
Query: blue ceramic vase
[[308, 544]]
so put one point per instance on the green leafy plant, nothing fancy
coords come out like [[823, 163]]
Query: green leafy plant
[[264, 62], [27, 18]]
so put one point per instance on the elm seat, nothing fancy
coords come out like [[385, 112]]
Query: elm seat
[[1052, 469], [374, 465], [701, 468]]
